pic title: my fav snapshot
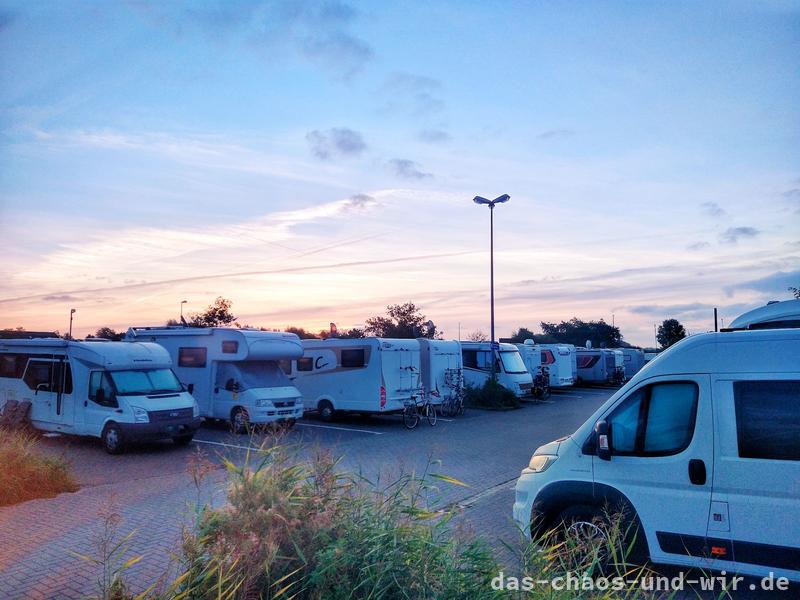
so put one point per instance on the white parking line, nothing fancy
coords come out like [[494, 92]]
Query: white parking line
[[339, 428], [196, 441]]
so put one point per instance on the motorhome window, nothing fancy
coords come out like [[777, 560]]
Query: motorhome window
[[194, 358], [251, 374], [624, 423], [512, 363], [230, 347], [768, 419], [305, 364], [587, 361], [39, 375], [352, 358], [484, 360], [141, 382], [286, 365], [12, 365], [470, 359], [99, 380], [547, 357], [62, 377]]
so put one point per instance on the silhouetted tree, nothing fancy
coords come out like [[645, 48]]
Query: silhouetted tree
[[577, 332], [520, 335], [217, 314], [301, 333], [401, 321], [795, 292], [107, 333], [670, 332], [477, 336]]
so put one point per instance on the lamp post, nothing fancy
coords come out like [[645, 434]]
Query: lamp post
[[491, 204], [182, 303], [72, 311]]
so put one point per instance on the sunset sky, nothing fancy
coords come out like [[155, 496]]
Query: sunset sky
[[316, 161]]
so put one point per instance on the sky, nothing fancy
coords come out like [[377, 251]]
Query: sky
[[315, 161]]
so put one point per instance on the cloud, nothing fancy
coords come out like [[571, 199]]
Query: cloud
[[697, 246], [552, 134], [360, 202], [713, 209], [793, 194], [775, 283], [733, 234], [339, 141], [61, 298], [434, 136], [414, 94], [407, 169]]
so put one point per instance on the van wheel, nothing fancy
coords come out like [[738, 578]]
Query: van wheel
[[326, 412], [183, 440], [584, 534], [112, 439], [240, 420]]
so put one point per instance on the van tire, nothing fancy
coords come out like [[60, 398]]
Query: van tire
[[326, 411], [111, 437], [240, 420]]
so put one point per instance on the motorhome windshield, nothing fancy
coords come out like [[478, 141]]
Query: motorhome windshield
[[249, 374], [141, 382], [512, 362]]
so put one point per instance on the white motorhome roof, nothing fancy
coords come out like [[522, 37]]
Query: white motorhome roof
[[382, 343], [784, 314], [487, 346], [253, 344], [440, 346], [110, 355]]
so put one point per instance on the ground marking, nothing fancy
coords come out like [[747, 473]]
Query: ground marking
[[339, 428], [196, 441]]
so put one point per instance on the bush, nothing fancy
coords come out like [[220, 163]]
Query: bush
[[491, 396], [25, 473]]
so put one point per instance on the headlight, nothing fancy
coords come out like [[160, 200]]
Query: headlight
[[263, 402], [140, 415], [541, 462]]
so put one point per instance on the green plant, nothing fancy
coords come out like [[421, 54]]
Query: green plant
[[491, 395]]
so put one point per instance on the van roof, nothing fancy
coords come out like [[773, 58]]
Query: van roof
[[254, 344], [110, 355], [382, 343], [777, 315], [487, 346]]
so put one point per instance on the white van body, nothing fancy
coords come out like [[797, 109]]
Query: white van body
[[704, 447], [560, 359], [441, 369], [366, 375], [633, 361], [531, 355], [233, 373], [595, 365], [510, 369], [141, 397], [775, 315], [618, 369]]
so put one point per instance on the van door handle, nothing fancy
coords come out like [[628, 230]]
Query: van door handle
[[697, 471]]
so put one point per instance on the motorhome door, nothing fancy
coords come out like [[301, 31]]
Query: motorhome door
[[50, 380]]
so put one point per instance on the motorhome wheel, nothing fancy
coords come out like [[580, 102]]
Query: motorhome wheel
[[325, 409], [112, 439], [183, 440], [240, 420]]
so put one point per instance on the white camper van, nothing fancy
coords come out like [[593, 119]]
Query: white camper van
[[510, 370], [633, 360], [701, 448], [595, 365], [112, 390], [561, 363], [441, 370], [368, 375], [233, 373], [531, 355]]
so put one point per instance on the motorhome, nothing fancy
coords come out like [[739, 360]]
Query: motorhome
[[595, 365], [633, 361], [367, 375], [233, 373], [532, 355], [699, 450], [560, 360], [510, 370], [118, 392], [441, 369], [618, 369], [775, 315]]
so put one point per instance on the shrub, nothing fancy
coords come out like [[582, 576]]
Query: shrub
[[492, 396], [25, 473]]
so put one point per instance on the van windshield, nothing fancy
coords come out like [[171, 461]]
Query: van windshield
[[512, 362], [141, 382], [249, 374]]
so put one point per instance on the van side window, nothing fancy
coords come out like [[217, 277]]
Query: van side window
[[470, 358], [62, 377], [547, 357], [286, 365], [192, 357], [352, 358], [768, 419], [12, 365], [99, 380], [307, 363], [39, 375], [656, 420], [230, 347]]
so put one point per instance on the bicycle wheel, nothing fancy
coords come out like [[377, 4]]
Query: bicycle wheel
[[430, 413], [410, 416]]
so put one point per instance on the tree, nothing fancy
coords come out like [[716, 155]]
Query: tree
[[216, 315], [301, 333], [477, 336], [401, 321], [578, 332], [670, 332], [107, 333], [520, 335], [795, 292]]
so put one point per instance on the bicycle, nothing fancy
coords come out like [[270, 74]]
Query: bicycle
[[413, 411], [453, 405]]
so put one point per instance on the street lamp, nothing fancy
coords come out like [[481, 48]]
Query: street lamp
[[490, 204], [71, 312], [182, 303]]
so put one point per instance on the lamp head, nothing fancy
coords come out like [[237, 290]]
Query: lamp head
[[500, 199], [481, 200]]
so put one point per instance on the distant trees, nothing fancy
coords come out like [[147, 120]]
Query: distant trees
[[477, 336], [217, 314], [401, 321], [578, 332], [107, 333], [522, 334], [670, 332], [795, 292]]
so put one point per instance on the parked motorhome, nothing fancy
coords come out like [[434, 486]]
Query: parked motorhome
[[531, 355], [441, 369], [633, 361], [618, 369], [560, 360], [510, 370], [367, 375], [233, 373], [112, 390], [700, 449], [593, 365]]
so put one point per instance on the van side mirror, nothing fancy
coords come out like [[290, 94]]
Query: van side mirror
[[602, 434]]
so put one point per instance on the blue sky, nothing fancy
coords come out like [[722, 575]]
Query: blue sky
[[315, 161]]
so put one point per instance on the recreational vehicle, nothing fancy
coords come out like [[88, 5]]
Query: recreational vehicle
[[367, 375], [112, 390], [531, 355], [617, 358], [441, 369], [510, 370], [595, 365], [699, 449], [561, 363], [233, 373], [633, 361]]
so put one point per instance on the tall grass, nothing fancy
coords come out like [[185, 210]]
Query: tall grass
[[25, 473]]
